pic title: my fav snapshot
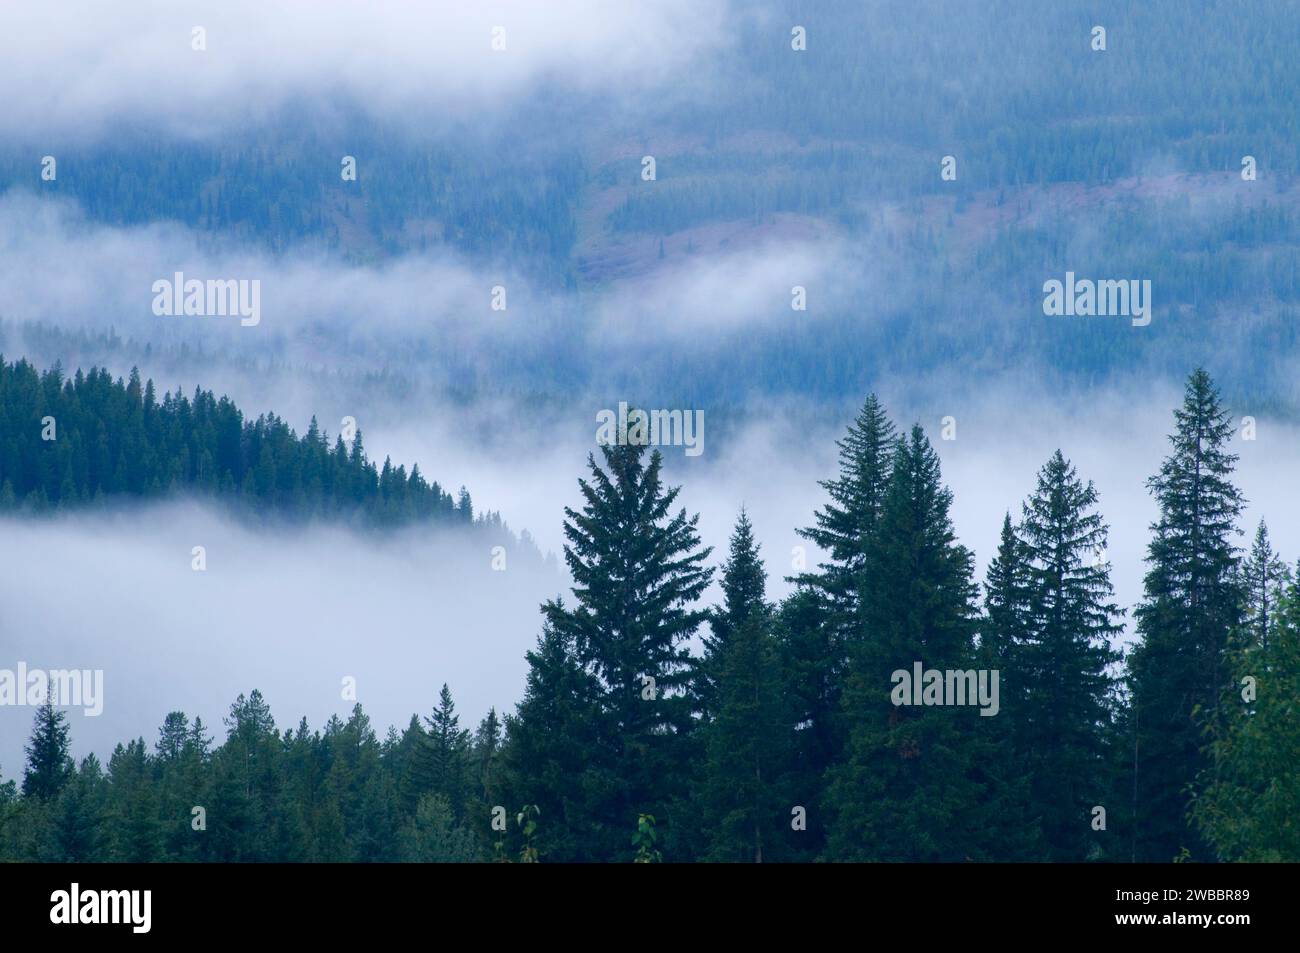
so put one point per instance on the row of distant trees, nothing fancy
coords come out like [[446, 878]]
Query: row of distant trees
[[780, 741], [69, 441]]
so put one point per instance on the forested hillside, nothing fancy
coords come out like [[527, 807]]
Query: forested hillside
[[788, 737], [88, 439], [1122, 163], [887, 87]]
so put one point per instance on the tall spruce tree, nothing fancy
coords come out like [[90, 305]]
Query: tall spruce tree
[[448, 752], [1263, 574], [744, 587], [638, 571], [410, 763], [844, 526], [134, 805], [49, 766], [1004, 628], [821, 622], [244, 798], [487, 757], [1006, 611], [365, 794], [1192, 602], [811, 669], [909, 788], [745, 738], [1062, 656]]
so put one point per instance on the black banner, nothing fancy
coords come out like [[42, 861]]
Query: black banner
[[141, 902]]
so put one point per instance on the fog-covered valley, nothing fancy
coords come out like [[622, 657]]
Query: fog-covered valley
[[312, 256]]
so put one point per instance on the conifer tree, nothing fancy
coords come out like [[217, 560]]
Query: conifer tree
[[1263, 574], [1192, 602], [364, 795], [1251, 791], [245, 783], [744, 586], [552, 743], [487, 757], [178, 777], [172, 736], [1062, 657], [909, 787], [845, 525], [48, 764], [820, 625], [77, 828], [411, 764], [133, 805], [746, 747], [447, 753], [1004, 628], [811, 669], [638, 570], [1006, 610], [434, 836]]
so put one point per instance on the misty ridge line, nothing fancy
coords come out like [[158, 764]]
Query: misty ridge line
[[387, 174], [311, 307], [232, 468], [72, 442]]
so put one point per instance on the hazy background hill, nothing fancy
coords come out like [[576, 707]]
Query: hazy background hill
[[774, 168]]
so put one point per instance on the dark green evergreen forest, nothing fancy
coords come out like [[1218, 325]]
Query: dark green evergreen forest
[[780, 737], [71, 441]]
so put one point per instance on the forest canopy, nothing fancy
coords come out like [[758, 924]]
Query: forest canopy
[[73, 441], [780, 739]]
